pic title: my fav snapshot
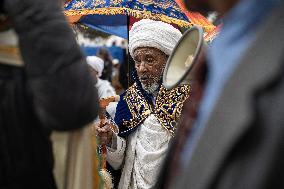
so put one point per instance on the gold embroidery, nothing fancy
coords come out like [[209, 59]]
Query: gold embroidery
[[116, 2], [98, 2], [138, 106], [169, 105], [77, 10]]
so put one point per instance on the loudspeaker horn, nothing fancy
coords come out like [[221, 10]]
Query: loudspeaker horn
[[183, 58]]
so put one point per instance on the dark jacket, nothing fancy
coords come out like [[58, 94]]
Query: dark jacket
[[53, 91]]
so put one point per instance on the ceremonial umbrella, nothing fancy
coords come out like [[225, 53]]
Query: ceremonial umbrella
[[111, 15], [196, 18]]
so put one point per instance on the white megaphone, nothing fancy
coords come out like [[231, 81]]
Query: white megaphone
[[185, 55]]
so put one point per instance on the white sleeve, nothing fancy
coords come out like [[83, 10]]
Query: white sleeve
[[111, 109], [116, 153], [106, 89]]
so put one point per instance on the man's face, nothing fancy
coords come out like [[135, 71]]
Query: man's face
[[149, 63]]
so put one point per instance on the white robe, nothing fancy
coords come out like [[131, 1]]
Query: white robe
[[105, 89], [141, 156]]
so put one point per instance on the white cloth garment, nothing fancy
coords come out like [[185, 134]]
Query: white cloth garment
[[96, 63], [105, 90], [141, 156], [150, 33]]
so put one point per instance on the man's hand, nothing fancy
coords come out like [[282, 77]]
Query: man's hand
[[104, 133]]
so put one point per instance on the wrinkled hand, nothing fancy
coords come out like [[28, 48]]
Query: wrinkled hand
[[104, 133]]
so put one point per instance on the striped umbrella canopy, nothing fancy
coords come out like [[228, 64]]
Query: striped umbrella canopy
[[111, 15], [165, 10]]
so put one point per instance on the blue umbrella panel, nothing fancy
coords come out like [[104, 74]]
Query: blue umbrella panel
[[111, 24]]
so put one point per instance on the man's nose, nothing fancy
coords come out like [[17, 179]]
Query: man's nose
[[142, 68]]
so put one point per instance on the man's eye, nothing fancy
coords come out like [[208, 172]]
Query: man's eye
[[137, 61]]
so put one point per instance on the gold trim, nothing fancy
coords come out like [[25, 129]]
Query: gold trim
[[136, 103], [168, 107], [169, 104], [10, 55], [9, 50], [134, 13]]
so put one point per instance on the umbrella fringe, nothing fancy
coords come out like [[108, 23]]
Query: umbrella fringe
[[134, 13]]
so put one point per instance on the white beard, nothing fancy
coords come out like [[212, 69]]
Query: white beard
[[151, 89]]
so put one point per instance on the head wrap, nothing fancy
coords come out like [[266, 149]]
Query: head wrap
[[157, 34], [115, 61], [96, 63]]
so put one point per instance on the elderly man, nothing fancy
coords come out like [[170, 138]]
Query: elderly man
[[147, 113]]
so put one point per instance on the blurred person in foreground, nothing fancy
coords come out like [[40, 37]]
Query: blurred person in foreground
[[147, 113], [51, 89], [238, 138]]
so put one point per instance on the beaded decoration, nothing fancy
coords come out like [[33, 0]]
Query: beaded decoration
[[168, 107], [137, 105]]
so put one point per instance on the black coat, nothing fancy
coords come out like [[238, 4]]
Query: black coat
[[53, 91]]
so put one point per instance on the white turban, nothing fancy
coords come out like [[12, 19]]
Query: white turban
[[157, 34], [96, 63]]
